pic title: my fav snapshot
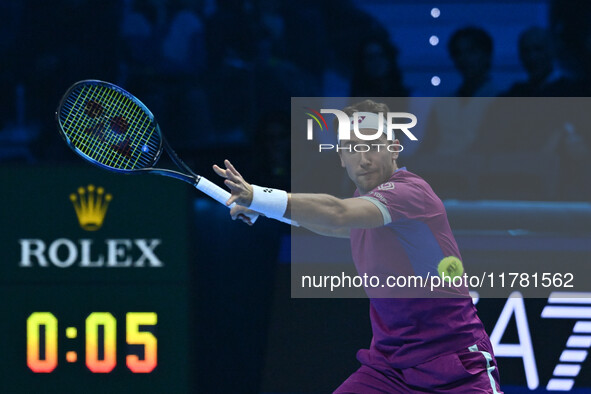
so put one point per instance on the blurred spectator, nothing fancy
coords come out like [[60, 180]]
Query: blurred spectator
[[166, 61], [72, 40], [272, 149], [231, 36], [454, 122], [376, 71], [141, 29], [16, 132], [536, 52], [444, 157], [575, 163], [569, 23], [471, 50], [277, 76], [164, 37], [183, 46], [537, 147], [377, 75], [525, 126], [305, 37], [184, 59], [346, 27]]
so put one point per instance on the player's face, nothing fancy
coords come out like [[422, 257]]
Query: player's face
[[371, 167]]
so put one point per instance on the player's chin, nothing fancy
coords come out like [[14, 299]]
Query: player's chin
[[368, 181], [361, 185]]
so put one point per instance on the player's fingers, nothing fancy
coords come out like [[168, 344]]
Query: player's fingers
[[230, 167], [235, 210], [230, 175], [233, 175], [220, 171], [231, 201], [245, 219], [233, 185]]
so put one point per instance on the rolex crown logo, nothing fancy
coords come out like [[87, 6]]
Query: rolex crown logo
[[91, 206]]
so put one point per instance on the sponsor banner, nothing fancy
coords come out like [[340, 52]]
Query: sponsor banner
[[83, 224]]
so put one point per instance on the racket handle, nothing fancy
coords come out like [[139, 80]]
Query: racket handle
[[219, 194]]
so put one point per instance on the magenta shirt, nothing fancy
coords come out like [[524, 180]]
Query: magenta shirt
[[410, 331]]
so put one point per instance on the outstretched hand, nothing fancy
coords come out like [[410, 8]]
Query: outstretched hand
[[240, 189]]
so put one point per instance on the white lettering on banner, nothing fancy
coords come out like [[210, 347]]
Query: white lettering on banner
[[32, 248], [570, 306], [118, 249], [524, 349], [576, 306], [86, 260], [147, 250], [71, 256], [64, 253]]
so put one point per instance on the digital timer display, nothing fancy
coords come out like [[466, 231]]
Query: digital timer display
[[101, 353]]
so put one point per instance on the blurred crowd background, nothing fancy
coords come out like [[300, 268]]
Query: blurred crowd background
[[219, 76]]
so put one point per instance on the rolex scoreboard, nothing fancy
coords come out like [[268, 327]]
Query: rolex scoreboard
[[93, 282]]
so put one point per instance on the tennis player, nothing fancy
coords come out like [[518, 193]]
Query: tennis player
[[395, 219]]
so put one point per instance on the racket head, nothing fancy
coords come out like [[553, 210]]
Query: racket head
[[109, 127]]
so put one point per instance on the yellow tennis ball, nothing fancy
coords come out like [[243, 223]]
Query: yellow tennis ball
[[451, 266]]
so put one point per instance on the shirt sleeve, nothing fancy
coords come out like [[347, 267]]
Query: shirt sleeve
[[383, 209], [401, 200]]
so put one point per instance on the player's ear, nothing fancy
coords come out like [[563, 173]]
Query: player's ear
[[396, 148], [341, 159]]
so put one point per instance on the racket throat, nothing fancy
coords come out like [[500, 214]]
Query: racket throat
[[191, 179]]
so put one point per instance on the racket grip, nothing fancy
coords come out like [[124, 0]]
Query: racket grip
[[219, 194]]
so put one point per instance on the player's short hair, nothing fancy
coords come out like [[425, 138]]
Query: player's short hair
[[362, 106], [366, 106]]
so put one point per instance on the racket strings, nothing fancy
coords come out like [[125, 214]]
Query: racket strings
[[96, 134], [122, 146], [87, 130], [109, 127], [88, 126]]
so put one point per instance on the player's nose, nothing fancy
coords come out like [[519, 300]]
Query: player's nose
[[364, 159]]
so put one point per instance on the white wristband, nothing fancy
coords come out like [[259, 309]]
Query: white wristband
[[270, 202]]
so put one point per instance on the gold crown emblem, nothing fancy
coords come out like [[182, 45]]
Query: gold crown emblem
[[91, 206]]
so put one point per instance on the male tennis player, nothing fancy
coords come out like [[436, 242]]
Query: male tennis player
[[419, 344]]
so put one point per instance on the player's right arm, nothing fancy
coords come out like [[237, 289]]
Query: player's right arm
[[321, 213], [329, 231], [331, 212]]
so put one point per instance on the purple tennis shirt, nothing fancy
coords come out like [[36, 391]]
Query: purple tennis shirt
[[415, 237]]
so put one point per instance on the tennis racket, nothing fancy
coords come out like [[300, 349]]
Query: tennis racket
[[112, 129]]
